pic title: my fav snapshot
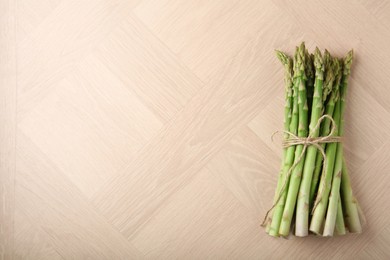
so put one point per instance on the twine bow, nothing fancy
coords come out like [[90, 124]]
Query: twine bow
[[306, 141]]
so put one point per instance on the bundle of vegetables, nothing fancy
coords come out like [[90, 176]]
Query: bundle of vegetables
[[313, 193]]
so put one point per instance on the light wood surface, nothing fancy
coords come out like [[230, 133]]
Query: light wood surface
[[8, 74], [141, 129]]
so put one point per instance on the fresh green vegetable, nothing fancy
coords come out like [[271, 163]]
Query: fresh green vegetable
[[295, 179], [331, 88], [314, 187], [288, 162], [302, 216], [335, 192], [288, 79]]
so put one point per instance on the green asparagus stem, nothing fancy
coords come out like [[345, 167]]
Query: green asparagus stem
[[295, 179], [310, 74], [288, 162], [340, 226], [288, 66], [302, 214], [349, 203], [331, 213], [335, 191], [288, 78], [331, 86], [317, 220]]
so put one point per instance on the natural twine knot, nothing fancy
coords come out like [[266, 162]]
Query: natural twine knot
[[306, 141]]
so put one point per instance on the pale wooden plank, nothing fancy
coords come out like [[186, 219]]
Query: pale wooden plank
[[179, 229], [8, 85], [249, 169], [72, 31], [379, 247], [74, 229], [31, 242], [30, 16], [269, 121], [380, 9], [148, 68], [205, 35], [183, 147], [90, 125]]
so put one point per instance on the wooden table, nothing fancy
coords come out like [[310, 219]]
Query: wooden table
[[141, 129]]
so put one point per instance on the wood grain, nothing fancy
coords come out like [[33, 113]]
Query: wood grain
[[31, 242], [144, 127], [53, 203], [8, 101]]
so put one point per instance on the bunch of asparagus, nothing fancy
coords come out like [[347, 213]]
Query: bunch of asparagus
[[314, 190]]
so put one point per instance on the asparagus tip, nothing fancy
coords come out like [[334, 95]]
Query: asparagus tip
[[329, 76], [299, 62], [283, 57], [318, 61], [348, 62], [317, 50]]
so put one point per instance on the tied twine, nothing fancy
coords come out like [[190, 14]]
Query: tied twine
[[306, 141]]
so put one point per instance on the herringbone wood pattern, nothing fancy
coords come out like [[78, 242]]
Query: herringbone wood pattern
[[141, 129]]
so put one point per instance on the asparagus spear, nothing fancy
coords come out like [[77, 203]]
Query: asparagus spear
[[321, 203], [330, 220], [349, 203], [287, 63], [335, 191], [295, 180], [289, 160], [302, 214], [310, 74], [340, 226], [331, 86]]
